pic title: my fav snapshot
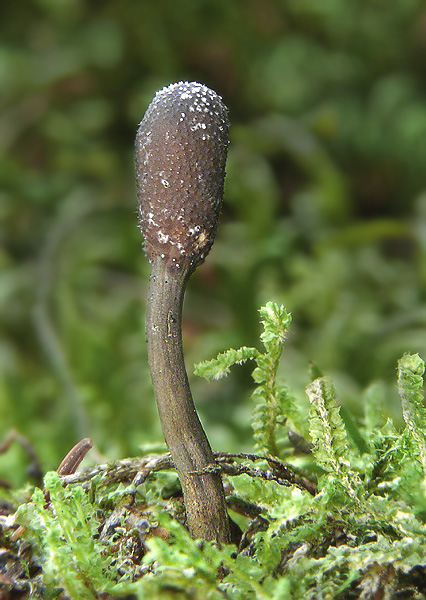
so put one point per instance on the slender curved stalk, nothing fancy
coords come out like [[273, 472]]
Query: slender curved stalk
[[183, 432], [181, 149]]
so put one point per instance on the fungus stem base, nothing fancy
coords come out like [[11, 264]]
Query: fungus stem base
[[188, 444]]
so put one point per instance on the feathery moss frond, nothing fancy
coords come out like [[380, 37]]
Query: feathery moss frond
[[73, 557], [273, 402], [327, 429], [331, 448], [410, 387], [220, 366]]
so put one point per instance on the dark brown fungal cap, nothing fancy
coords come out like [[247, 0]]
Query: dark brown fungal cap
[[181, 148]]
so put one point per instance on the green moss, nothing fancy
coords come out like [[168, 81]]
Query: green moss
[[343, 523]]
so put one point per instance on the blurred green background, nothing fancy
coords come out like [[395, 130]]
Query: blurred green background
[[325, 206]]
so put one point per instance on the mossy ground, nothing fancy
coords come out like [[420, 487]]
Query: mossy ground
[[343, 518]]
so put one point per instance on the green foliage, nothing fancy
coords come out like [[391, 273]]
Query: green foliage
[[66, 535], [183, 564], [350, 524], [330, 439], [365, 496], [273, 402], [327, 429], [220, 367], [410, 385]]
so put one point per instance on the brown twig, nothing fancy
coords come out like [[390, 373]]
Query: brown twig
[[136, 470], [72, 460]]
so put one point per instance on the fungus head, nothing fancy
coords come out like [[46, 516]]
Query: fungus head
[[181, 148]]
